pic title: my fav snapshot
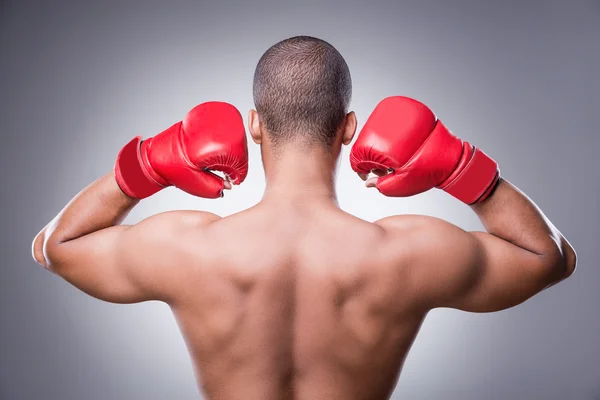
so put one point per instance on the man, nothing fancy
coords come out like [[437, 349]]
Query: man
[[294, 298]]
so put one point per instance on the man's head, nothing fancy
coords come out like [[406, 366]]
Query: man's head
[[302, 90]]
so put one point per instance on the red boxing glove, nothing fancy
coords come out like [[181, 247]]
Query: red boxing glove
[[210, 137], [405, 137]]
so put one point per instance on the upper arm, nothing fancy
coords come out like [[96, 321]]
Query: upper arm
[[473, 271], [128, 264]]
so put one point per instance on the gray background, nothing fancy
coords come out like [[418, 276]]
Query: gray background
[[79, 79]]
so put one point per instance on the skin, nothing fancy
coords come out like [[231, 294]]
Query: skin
[[295, 298]]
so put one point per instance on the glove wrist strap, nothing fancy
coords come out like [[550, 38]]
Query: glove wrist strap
[[131, 174], [473, 183]]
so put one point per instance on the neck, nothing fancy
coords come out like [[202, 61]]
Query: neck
[[304, 174]]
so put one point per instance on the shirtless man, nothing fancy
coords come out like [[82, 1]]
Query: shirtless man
[[294, 298]]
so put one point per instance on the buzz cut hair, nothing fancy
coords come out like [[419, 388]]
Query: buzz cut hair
[[302, 90]]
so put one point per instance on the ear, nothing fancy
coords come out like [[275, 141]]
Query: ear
[[349, 128], [254, 126]]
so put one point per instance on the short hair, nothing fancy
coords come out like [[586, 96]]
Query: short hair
[[302, 90]]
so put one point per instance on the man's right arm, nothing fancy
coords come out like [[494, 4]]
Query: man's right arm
[[521, 254]]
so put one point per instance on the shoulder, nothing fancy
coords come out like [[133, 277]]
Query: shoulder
[[169, 230], [411, 235], [166, 239], [436, 250], [177, 220], [425, 233], [416, 226]]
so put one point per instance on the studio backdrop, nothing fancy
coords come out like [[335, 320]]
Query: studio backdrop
[[79, 79]]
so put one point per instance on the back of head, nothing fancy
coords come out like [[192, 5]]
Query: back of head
[[302, 89]]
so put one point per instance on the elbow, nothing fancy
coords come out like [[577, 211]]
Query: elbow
[[569, 257], [46, 250], [37, 249], [560, 264], [53, 255]]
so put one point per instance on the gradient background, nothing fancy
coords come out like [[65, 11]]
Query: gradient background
[[518, 78]]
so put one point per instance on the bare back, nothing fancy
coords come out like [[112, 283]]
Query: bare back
[[295, 299], [297, 305]]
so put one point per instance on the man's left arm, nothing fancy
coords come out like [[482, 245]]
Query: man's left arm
[[85, 245], [125, 264]]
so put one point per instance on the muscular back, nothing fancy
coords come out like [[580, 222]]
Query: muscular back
[[296, 303], [295, 299]]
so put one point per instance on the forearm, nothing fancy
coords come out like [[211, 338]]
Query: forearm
[[510, 215], [100, 205]]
